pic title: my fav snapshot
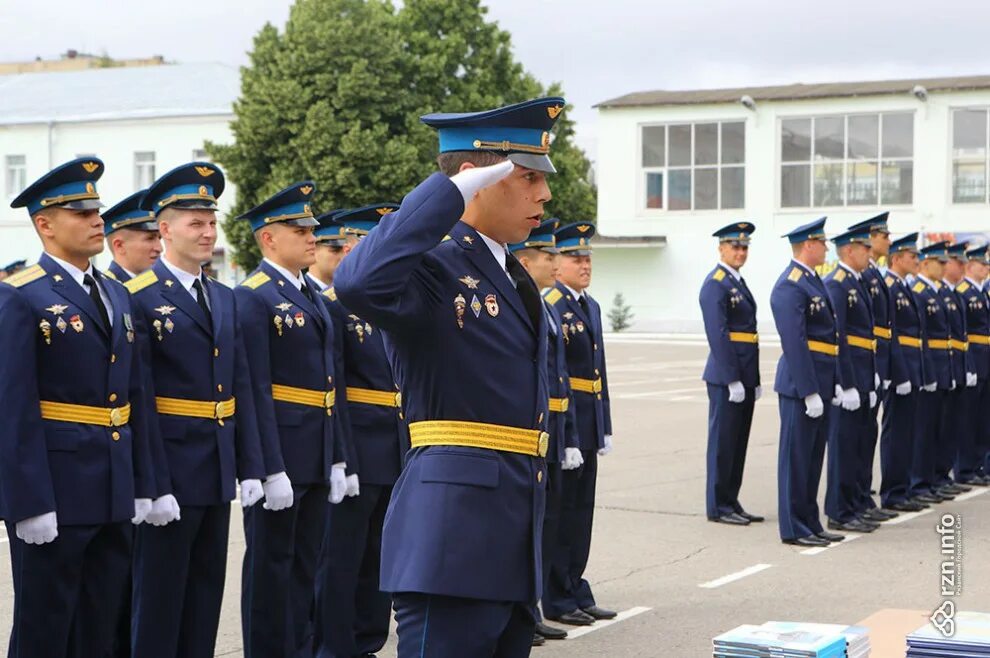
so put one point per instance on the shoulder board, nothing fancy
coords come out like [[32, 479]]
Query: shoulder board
[[141, 281], [919, 286], [719, 274], [330, 294], [553, 296], [963, 287], [110, 275], [256, 280], [26, 276], [445, 238], [795, 274], [889, 280], [840, 275]]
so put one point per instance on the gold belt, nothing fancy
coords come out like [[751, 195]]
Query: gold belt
[[882, 332], [960, 345], [586, 385], [306, 396], [83, 413], [909, 341], [371, 396], [979, 339], [743, 337], [478, 435], [865, 343], [823, 347], [938, 344], [559, 405], [196, 408]]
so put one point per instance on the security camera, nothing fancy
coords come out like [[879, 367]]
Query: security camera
[[920, 93], [748, 102]]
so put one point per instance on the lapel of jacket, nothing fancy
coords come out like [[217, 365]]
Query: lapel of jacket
[[175, 293], [66, 286]]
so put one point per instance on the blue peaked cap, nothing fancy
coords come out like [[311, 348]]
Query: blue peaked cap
[[129, 214], [71, 185], [542, 237], [292, 206]]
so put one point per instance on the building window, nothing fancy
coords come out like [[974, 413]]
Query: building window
[[15, 168], [847, 160], [694, 166], [144, 169], [969, 156]]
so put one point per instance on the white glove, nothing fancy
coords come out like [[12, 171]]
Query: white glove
[[837, 396], [38, 529], [952, 385], [142, 506], [338, 482], [813, 405], [470, 181], [164, 510], [572, 459], [876, 381], [757, 393], [886, 384], [873, 399], [970, 379], [608, 446], [278, 492], [737, 393], [930, 388], [850, 399], [353, 486], [903, 388], [251, 492]]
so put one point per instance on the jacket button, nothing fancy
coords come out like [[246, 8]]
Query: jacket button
[[539, 476], [113, 397], [216, 352], [560, 379], [115, 436], [599, 396], [219, 388], [113, 358], [596, 372], [596, 346], [329, 380], [540, 419]]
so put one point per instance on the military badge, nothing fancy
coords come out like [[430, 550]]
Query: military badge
[[77, 323], [169, 325], [165, 310], [157, 324], [57, 278], [46, 330], [852, 298], [284, 306], [278, 324], [580, 326], [61, 324], [468, 239], [816, 304], [470, 282], [476, 306], [168, 283], [491, 305], [459, 305], [359, 330], [57, 309], [300, 319], [367, 328], [289, 321], [129, 326], [563, 330], [568, 315]]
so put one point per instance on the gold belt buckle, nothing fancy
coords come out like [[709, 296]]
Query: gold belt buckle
[[116, 417], [544, 443], [398, 399], [218, 413], [328, 402]]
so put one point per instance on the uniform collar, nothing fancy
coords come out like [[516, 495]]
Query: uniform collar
[[126, 271], [804, 267], [497, 249], [77, 274], [850, 270], [297, 281], [323, 286], [733, 271], [978, 286], [186, 280], [577, 295]]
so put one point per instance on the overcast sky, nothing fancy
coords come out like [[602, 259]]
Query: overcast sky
[[599, 50]]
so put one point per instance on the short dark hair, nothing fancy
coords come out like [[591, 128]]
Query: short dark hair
[[451, 161]]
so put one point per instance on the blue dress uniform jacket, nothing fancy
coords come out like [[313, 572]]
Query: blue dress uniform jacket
[[974, 305], [56, 349], [563, 424], [880, 305], [586, 363], [463, 521], [937, 356], [854, 319], [906, 362], [728, 309], [959, 347], [115, 271], [198, 460], [283, 329]]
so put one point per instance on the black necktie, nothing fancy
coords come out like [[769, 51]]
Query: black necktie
[[94, 294], [201, 300], [583, 301], [304, 289], [526, 288]]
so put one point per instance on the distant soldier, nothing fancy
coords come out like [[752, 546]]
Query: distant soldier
[[330, 242], [12, 268], [133, 237], [974, 436]]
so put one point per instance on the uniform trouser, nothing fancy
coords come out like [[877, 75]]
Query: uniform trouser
[[122, 634], [973, 435], [179, 575], [728, 437], [799, 467], [868, 449], [951, 425], [551, 525], [352, 613], [930, 409], [897, 439], [67, 592], [847, 432], [567, 590], [434, 626], [278, 578]]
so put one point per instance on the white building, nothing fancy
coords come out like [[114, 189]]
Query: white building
[[140, 121], [674, 166]]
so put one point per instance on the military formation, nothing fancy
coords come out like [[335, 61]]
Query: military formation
[[406, 421], [911, 338]]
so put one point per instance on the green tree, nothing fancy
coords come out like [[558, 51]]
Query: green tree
[[336, 97], [620, 316]]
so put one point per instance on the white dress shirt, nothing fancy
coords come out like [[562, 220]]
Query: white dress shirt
[[186, 280], [79, 275], [297, 281]]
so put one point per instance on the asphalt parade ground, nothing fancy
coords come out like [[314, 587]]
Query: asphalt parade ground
[[678, 579]]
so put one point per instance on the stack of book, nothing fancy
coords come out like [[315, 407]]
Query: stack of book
[[971, 638], [795, 641], [857, 637]]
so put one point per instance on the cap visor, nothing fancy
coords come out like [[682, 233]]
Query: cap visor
[[193, 204], [83, 204], [576, 252], [302, 221], [533, 161]]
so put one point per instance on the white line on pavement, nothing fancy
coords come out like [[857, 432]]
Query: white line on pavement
[[971, 494], [732, 577], [906, 517], [599, 625], [822, 549]]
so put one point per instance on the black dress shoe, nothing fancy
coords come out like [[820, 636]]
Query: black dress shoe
[[879, 515], [731, 519], [753, 518], [829, 536], [538, 640], [810, 540], [949, 490], [549, 632], [906, 506], [961, 488], [975, 481], [574, 618], [856, 525], [928, 499], [599, 613]]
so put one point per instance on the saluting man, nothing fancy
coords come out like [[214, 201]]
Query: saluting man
[[289, 338], [466, 334], [806, 376], [732, 374], [352, 613], [133, 237], [74, 463], [973, 435], [856, 392], [206, 435], [538, 254]]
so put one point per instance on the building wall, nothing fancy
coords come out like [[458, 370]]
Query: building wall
[[173, 140], [662, 288]]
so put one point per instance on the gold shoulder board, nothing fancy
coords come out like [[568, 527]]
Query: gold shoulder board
[[719, 275], [26, 276], [553, 296], [918, 287], [795, 274], [141, 281], [963, 287], [889, 281], [110, 275], [330, 294], [840, 275], [256, 280]]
